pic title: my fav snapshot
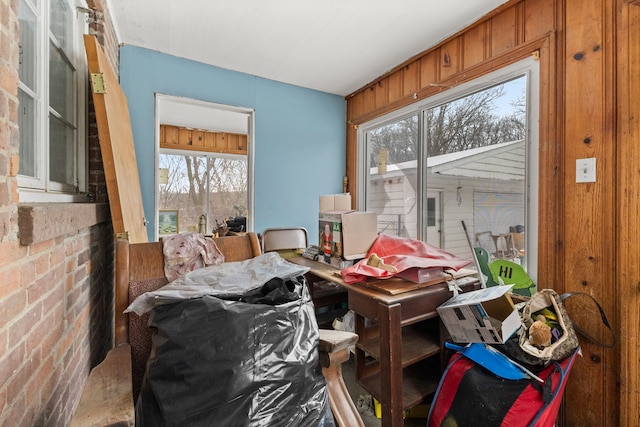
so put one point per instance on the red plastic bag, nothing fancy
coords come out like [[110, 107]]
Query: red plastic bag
[[403, 254]]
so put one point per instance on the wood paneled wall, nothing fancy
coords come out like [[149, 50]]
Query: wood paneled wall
[[627, 207], [182, 138], [589, 55]]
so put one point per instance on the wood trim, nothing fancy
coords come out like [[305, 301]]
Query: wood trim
[[627, 265], [471, 73], [182, 138], [633, 2], [435, 49]]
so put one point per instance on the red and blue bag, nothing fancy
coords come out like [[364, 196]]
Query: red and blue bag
[[471, 395]]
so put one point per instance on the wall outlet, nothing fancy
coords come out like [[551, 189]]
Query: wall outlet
[[586, 170]]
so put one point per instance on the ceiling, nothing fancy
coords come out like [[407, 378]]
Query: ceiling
[[334, 46]]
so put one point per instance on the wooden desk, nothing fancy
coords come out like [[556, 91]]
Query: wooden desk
[[397, 354]]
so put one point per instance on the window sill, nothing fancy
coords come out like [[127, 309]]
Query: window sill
[[38, 222]]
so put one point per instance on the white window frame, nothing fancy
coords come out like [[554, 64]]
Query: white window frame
[[528, 66], [40, 188]]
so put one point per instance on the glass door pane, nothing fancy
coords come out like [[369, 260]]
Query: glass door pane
[[392, 153], [476, 153]]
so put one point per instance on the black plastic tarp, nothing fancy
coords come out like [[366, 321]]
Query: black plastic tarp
[[248, 362]]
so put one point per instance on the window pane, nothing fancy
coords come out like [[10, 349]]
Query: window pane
[[228, 184], [61, 152], [431, 212], [61, 91], [61, 24], [184, 187], [477, 153], [26, 122], [28, 46], [392, 152]]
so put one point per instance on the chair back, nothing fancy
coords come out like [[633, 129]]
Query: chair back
[[284, 239], [513, 274], [483, 260], [140, 269]]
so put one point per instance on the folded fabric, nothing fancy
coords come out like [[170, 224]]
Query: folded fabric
[[186, 252], [403, 254]]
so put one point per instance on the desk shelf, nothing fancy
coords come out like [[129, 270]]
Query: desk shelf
[[419, 381], [420, 359], [399, 353], [419, 341]]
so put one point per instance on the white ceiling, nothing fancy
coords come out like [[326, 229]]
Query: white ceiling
[[335, 46]]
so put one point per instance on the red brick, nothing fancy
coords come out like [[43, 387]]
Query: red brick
[[14, 164], [25, 326], [27, 370], [10, 282], [37, 248], [15, 411], [9, 80], [11, 306], [27, 273], [3, 403], [42, 264], [57, 256], [52, 335], [70, 265], [10, 252], [54, 300], [10, 363]]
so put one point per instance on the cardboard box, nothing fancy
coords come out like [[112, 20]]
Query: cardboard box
[[347, 235], [486, 315], [425, 275], [335, 203]]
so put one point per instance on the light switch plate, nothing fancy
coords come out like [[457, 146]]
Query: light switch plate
[[586, 170]]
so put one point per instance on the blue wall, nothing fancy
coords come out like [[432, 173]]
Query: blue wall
[[299, 133]]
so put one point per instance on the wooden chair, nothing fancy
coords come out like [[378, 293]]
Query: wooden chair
[[117, 380]]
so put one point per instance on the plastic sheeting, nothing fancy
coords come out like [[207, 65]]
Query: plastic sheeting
[[228, 280], [248, 362]]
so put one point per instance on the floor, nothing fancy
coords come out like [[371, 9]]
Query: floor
[[365, 407]]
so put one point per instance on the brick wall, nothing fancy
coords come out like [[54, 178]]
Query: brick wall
[[101, 27], [56, 294]]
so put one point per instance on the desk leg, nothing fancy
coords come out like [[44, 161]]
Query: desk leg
[[391, 364]]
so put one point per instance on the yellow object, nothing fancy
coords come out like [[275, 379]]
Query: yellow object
[[377, 408], [548, 314], [419, 411]]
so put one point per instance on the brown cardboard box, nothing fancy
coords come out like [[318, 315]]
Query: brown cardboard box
[[347, 235]]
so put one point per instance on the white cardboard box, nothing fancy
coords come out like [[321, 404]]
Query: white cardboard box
[[351, 233], [486, 315], [335, 203]]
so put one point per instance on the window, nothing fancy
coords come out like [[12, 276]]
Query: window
[[467, 154], [51, 94], [204, 164]]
